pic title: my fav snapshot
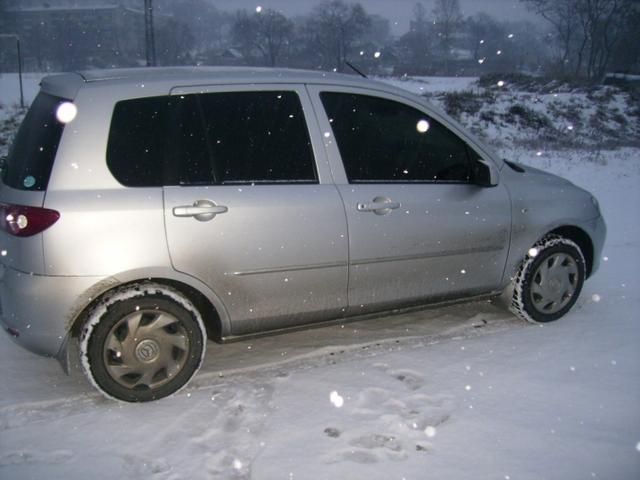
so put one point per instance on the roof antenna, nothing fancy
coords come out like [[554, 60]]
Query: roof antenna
[[355, 69]]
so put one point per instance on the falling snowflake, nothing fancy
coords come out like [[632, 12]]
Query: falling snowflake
[[66, 112], [422, 126], [336, 399], [430, 431]]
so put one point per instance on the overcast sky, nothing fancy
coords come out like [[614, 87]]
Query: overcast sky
[[399, 12]]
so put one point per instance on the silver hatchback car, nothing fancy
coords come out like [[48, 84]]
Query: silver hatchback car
[[146, 210]]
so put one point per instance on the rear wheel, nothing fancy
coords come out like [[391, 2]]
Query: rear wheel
[[143, 343], [549, 280]]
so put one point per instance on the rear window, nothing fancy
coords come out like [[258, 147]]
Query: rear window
[[28, 165]]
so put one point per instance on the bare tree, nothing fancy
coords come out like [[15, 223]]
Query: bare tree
[[335, 27], [626, 55], [415, 45], [174, 42], [448, 21], [562, 15], [205, 22], [601, 21], [588, 31], [267, 32]]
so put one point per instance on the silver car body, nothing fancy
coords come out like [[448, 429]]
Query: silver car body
[[279, 256]]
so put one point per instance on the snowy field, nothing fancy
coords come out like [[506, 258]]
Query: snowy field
[[462, 392]]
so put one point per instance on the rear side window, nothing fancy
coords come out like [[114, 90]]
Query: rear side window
[[135, 152], [28, 165], [211, 139], [382, 140]]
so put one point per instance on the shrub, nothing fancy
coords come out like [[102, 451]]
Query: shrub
[[457, 103], [527, 117]]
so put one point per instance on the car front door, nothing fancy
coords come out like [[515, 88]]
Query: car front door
[[249, 211], [420, 227]]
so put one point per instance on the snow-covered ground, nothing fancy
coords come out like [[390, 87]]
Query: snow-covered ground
[[460, 392], [422, 85], [10, 87]]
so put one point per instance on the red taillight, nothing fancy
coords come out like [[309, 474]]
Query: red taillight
[[23, 221]]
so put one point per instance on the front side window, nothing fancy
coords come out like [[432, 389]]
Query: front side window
[[211, 139], [382, 140]]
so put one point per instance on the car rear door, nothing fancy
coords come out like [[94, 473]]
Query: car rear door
[[419, 228], [250, 206]]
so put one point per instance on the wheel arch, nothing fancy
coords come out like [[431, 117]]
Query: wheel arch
[[582, 239], [211, 309]]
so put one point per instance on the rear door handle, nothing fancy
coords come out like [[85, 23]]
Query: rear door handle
[[201, 210], [379, 206]]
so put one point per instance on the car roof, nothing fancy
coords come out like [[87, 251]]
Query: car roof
[[68, 84]]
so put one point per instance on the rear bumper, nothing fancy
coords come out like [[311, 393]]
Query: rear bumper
[[37, 310]]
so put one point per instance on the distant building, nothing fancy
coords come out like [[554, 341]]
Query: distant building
[[70, 37]]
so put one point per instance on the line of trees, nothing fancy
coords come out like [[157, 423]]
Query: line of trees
[[439, 41], [577, 38]]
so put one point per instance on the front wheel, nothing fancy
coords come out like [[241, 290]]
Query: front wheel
[[549, 280], [142, 343]]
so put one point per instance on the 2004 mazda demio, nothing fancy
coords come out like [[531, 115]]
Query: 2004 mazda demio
[[144, 211]]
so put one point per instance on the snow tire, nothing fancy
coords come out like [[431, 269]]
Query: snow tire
[[549, 280], [142, 342]]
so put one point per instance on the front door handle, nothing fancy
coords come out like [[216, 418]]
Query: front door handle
[[201, 210], [379, 206]]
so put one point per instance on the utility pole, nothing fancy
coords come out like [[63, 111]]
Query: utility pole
[[149, 36], [13, 35]]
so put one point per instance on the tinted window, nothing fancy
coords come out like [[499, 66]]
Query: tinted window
[[136, 148], [211, 139], [258, 137], [28, 165], [385, 141]]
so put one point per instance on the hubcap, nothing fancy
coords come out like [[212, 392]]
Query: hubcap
[[146, 349], [554, 283]]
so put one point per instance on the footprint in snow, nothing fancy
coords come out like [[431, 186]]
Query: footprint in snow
[[375, 440], [225, 465], [140, 467], [412, 379], [356, 455]]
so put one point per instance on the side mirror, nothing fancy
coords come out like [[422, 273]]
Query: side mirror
[[485, 173]]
